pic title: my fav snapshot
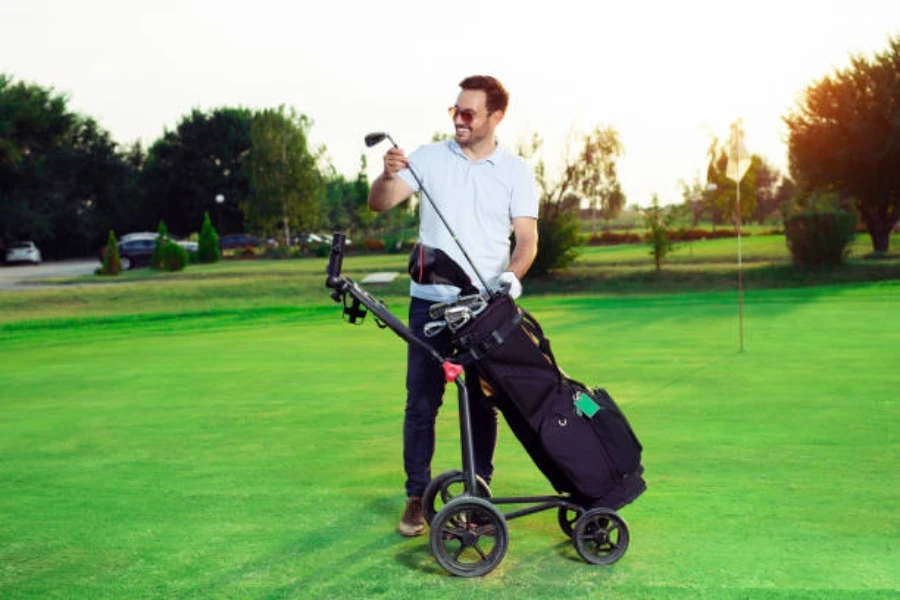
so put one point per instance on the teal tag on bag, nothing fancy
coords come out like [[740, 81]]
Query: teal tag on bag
[[586, 405]]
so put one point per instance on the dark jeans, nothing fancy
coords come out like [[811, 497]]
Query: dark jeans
[[424, 392]]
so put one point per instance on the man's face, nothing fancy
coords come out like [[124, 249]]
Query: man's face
[[472, 122]]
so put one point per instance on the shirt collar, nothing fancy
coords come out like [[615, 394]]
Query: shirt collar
[[495, 157]]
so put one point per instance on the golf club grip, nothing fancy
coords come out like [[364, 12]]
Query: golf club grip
[[336, 260]]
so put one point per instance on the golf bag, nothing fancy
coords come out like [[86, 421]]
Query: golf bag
[[576, 436]]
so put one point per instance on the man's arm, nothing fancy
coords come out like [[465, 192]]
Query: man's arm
[[525, 229], [388, 190]]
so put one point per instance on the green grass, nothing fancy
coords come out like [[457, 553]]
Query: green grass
[[202, 444], [601, 271]]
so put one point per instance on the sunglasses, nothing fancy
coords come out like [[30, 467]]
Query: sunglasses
[[466, 115]]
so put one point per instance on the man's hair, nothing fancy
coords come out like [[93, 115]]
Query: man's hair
[[497, 96]]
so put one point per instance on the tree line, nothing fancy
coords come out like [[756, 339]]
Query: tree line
[[65, 183]]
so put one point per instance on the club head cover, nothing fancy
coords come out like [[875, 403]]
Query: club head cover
[[429, 265]]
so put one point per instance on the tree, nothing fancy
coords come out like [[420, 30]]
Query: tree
[[203, 157], [346, 205], [162, 238], [34, 121], [598, 181], [286, 186], [695, 197], [208, 244], [63, 181], [589, 174], [91, 189], [721, 200], [844, 135], [112, 263], [768, 182], [657, 220]]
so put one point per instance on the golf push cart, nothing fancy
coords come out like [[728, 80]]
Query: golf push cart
[[469, 534]]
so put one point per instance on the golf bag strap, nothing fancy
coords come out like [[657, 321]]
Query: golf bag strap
[[543, 342], [490, 342]]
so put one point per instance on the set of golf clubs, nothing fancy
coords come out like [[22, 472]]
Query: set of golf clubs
[[454, 315]]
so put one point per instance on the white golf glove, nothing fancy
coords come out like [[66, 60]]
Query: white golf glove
[[510, 284]]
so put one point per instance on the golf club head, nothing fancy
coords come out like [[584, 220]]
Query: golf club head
[[429, 265], [376, 137]]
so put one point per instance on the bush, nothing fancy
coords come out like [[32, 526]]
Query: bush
[[208, 244], [173, 257], [373, 245], [611, 238], [112, 262], [820, 239], [557, 240], [657, 221]]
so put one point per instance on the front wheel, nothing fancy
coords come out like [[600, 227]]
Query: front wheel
[[469, 537]]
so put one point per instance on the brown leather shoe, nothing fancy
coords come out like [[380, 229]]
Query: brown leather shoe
[[412, 523]]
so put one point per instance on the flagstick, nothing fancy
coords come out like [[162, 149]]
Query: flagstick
[[740, 273]]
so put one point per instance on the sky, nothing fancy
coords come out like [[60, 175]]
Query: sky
[[668, 76]]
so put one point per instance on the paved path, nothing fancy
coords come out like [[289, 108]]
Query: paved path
[[30, 277]]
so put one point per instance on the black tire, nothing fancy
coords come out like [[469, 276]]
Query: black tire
[[126, 262], [567, 517], [444, 488], [601, 536], [469, 537]]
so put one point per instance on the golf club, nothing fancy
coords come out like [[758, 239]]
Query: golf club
[[475, 302], [434, 327], [377, 137]]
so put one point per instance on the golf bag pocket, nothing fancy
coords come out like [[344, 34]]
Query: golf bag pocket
[[611, 427], [577, 450]]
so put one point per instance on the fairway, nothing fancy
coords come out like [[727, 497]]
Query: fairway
[[257, 453]]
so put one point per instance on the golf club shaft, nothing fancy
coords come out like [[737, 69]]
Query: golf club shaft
[[446, 224]]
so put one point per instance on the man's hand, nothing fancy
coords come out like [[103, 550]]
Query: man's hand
[[394, 160], [508, 283], [388, 190]]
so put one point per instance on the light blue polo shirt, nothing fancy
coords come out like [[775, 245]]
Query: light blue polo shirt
[[478, 199]]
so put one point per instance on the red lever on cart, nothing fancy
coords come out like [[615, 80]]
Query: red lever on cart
[[451, 371]]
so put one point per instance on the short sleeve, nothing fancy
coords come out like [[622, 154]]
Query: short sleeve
[[524, 193]]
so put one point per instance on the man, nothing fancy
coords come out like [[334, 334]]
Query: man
[[485, 193]]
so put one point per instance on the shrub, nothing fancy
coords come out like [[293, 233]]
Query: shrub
[[557, 240], [112, 263], [278, 252], [173, 257], [820, 239], [373, 245], [208, 244], [162, 236], [657, 221], [611, 238]]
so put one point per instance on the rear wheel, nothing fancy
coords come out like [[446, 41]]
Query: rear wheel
[[444, 488], [601, 536], [567, 518], [126, 262]]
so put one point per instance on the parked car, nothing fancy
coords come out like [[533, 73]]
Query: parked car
[[191, 247], [138, 235], [136, 249], [238, 240], [23, 252]]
